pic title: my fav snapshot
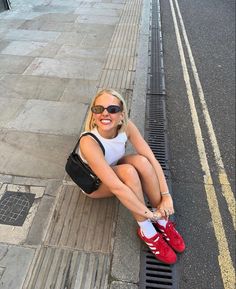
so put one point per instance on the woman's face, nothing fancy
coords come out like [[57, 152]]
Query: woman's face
[[106, 122]]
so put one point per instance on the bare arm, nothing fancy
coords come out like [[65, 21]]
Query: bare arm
[[106, 174]]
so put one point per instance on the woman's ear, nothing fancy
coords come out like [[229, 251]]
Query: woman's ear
[[122, 116]]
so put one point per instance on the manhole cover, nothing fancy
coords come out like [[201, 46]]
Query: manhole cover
[[14, 207]]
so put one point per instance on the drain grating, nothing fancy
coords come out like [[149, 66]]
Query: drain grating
[[156, 129], [153, 273], [156, 274], [14, 207]]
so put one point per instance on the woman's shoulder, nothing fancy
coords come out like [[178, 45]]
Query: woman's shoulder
[[130, 128], [87, 137], [88, 144]]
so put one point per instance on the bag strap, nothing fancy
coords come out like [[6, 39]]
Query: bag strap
[[92, 135]]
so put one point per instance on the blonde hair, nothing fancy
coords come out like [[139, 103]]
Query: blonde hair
[[89, 123]]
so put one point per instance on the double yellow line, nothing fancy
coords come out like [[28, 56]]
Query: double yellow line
[[225, 261]]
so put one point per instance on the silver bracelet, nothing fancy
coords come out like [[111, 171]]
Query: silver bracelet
[[165, 193]]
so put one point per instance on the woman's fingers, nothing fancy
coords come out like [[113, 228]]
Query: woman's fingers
[[166, 212]]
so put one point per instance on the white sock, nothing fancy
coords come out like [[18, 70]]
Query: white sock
[[162, 222], [148, 229]]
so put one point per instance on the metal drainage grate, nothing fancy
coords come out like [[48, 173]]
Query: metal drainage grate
[[156, 274], [153, 273], [14, 207], [155, 129]]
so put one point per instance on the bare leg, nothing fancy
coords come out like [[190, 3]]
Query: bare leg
[[127, 174], [147, 175]]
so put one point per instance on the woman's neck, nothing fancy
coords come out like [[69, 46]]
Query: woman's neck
[[108, 134]]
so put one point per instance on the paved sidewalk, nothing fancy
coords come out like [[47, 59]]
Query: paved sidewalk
[[54, 56]]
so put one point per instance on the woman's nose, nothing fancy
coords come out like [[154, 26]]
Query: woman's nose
[[105, 112]]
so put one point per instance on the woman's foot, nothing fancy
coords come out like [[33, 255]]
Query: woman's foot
[[159, 248], [172, 236]]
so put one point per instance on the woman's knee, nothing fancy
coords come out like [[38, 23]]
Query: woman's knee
[[143, 164], [127, 172]]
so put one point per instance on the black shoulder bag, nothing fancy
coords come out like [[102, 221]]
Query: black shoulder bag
[[80, 172]]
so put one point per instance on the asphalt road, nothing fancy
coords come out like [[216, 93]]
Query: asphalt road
[[200, 88]]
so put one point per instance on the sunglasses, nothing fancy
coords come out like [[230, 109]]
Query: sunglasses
[[100, 109]]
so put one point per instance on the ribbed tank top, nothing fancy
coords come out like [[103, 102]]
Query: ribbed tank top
[[114, 147]]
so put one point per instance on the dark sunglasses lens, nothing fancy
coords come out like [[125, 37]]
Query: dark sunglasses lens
[[97, 109], [113, 109]]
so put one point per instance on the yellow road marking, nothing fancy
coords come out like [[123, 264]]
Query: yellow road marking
[[222, 176], [225, 261]]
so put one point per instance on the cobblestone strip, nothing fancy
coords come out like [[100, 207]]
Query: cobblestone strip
[[118, 72], [62, 268], [82, 223]]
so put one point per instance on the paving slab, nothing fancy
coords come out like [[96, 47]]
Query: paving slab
[[20, 15], [30, 87], [92, 19], [50, 50], [96, 28], [95, 40], [14, 264], [83, 69], [23, 48], [54, 8], [34, 155], [79, 90], [30, 48], [49, 117], [109, 5], [42, 25], [71, 38], [74, 52], [98, 11], [56, 17], [69, 3], [31, 35], [14, 64], [9, 23], [3, 43], [26, 5], [87, 4], [10, 108]]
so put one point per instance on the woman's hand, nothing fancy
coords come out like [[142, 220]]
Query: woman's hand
[[166, 207]]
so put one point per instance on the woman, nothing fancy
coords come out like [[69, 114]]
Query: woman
[[128, 176]]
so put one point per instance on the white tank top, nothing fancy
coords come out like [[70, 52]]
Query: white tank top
[[114, 147]]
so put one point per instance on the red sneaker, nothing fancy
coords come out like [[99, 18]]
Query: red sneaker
[[159, 248], [172, 237]]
